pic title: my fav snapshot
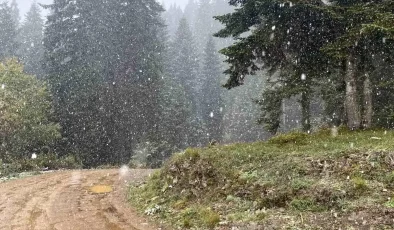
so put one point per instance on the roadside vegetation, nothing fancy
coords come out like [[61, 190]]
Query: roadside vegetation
[[28, 133], [332, 179]]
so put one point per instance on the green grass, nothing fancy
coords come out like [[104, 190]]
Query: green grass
[[291, 181]]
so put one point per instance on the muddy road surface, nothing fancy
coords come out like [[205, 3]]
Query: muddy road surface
[[86, 199]]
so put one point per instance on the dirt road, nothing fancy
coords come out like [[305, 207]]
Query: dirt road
[[64, 200]]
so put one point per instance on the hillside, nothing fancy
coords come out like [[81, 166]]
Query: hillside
[[328, 180]]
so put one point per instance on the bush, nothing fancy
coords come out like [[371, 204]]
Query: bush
[[70, 162], [49, 161], [360, 186], [26, 109]]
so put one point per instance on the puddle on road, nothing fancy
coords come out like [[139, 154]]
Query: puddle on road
[[98, 189]]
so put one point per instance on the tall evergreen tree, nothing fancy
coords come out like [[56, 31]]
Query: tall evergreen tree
[[190, 13], [203, 24], [104, 73], [184, 70], [185, 65], [294, 40], [8, 32], [367, 32], [278, 44], [15, 13], [31, 37], [172, 17], [212, 104]]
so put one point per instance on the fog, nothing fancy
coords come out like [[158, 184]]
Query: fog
[[24, 5]]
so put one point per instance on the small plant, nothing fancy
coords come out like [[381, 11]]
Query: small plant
[[359, 184], [180, 204], [153, 210], [192, 154], [249, 176], [305, 204], [187, 223], [390, 203], [389, 179], [299, 184], [210, 218]]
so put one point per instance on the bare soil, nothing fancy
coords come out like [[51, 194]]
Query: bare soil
[[64, 200]]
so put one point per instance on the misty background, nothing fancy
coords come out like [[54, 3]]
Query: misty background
[[24, 5]]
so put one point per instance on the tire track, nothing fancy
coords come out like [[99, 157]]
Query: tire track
[[63, 200]]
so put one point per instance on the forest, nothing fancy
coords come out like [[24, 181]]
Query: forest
[[128, 82]]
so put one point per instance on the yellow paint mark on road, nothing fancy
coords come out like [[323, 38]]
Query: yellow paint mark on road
[[101, 189]]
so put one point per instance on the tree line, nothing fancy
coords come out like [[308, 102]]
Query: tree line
[[127, 80]]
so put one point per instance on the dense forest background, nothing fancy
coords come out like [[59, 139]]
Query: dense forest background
[[127, 81]]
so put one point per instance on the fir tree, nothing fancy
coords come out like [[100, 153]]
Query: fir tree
[[190, 13], [279, 44], [8, 32], [185, 65], [104, 73], [184, 70], [31, 50], [211, 89], [15, 13], [172, 17], [203, 24]]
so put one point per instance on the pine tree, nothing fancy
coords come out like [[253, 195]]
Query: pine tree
[[172, 17], [203, 24], [15, 13], [190, 13], [104, 73], [184, 71], [367, 31], [185, 65], [212, 104], [31, 50], [8, 33], [76, 87], [287, 44]]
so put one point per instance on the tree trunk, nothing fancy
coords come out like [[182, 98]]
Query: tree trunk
[[306, 111], [352, 107], [368, 107]]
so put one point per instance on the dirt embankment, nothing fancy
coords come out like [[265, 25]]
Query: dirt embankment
[[65, 200]]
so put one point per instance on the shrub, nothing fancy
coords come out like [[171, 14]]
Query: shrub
[[210, 218], [70, 162], [360, 184], [25, 102]]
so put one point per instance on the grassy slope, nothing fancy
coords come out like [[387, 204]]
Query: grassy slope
[[295, 181]]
